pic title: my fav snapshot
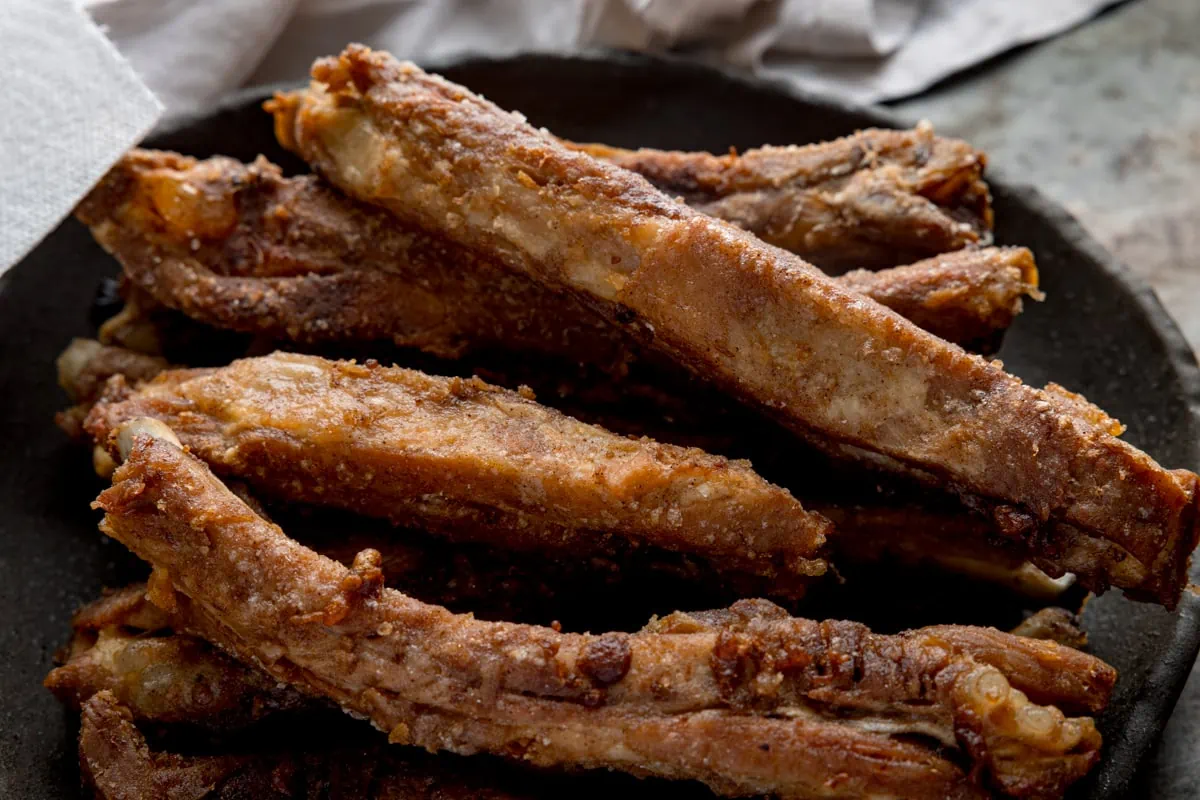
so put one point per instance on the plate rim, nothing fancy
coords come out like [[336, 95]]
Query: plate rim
[[1157, 696]]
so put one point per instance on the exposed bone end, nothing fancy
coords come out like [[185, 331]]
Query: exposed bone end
[[1034, 583], [1021, 259], [143, 426], [133, 329], [73, 361], [284, 107], [103, 463]]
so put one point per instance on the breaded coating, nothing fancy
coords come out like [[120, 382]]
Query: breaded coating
[[840, 370], [471, 462], [874, 199], [749, 702]]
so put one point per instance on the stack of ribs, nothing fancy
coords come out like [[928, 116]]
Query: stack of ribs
[[625, 381]]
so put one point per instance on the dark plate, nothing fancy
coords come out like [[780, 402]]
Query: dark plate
[[1100, 332]]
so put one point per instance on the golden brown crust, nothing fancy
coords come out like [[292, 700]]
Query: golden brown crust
[[472, 462], [841, 371], [666, 701], [875, 199]]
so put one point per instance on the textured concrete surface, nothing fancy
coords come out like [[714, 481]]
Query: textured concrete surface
[[1106, 120]]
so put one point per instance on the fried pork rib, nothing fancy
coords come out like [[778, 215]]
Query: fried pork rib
[[748, 701], [119, 764], [162, 678], [899, 530], [175, 678], [124, 644], [874, 199], [838, 369], [239, 246], [969, 297], [471, 462]]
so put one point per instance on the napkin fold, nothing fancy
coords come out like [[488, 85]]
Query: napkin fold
[[193, 51], [72, 107]]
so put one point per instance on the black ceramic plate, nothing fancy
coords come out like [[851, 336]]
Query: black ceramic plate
[[1100, 332]]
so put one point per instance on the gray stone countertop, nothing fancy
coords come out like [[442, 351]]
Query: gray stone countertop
[[1106, 120]]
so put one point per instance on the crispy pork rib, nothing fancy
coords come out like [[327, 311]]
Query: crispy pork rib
[[969, 297], [124, 644], [896, 529], [751, 701], [472, 462], [119, 764], [839, 369], [239, 246], [168, 679], [874, 199]]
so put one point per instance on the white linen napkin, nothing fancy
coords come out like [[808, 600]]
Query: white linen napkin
[[72, 106]]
